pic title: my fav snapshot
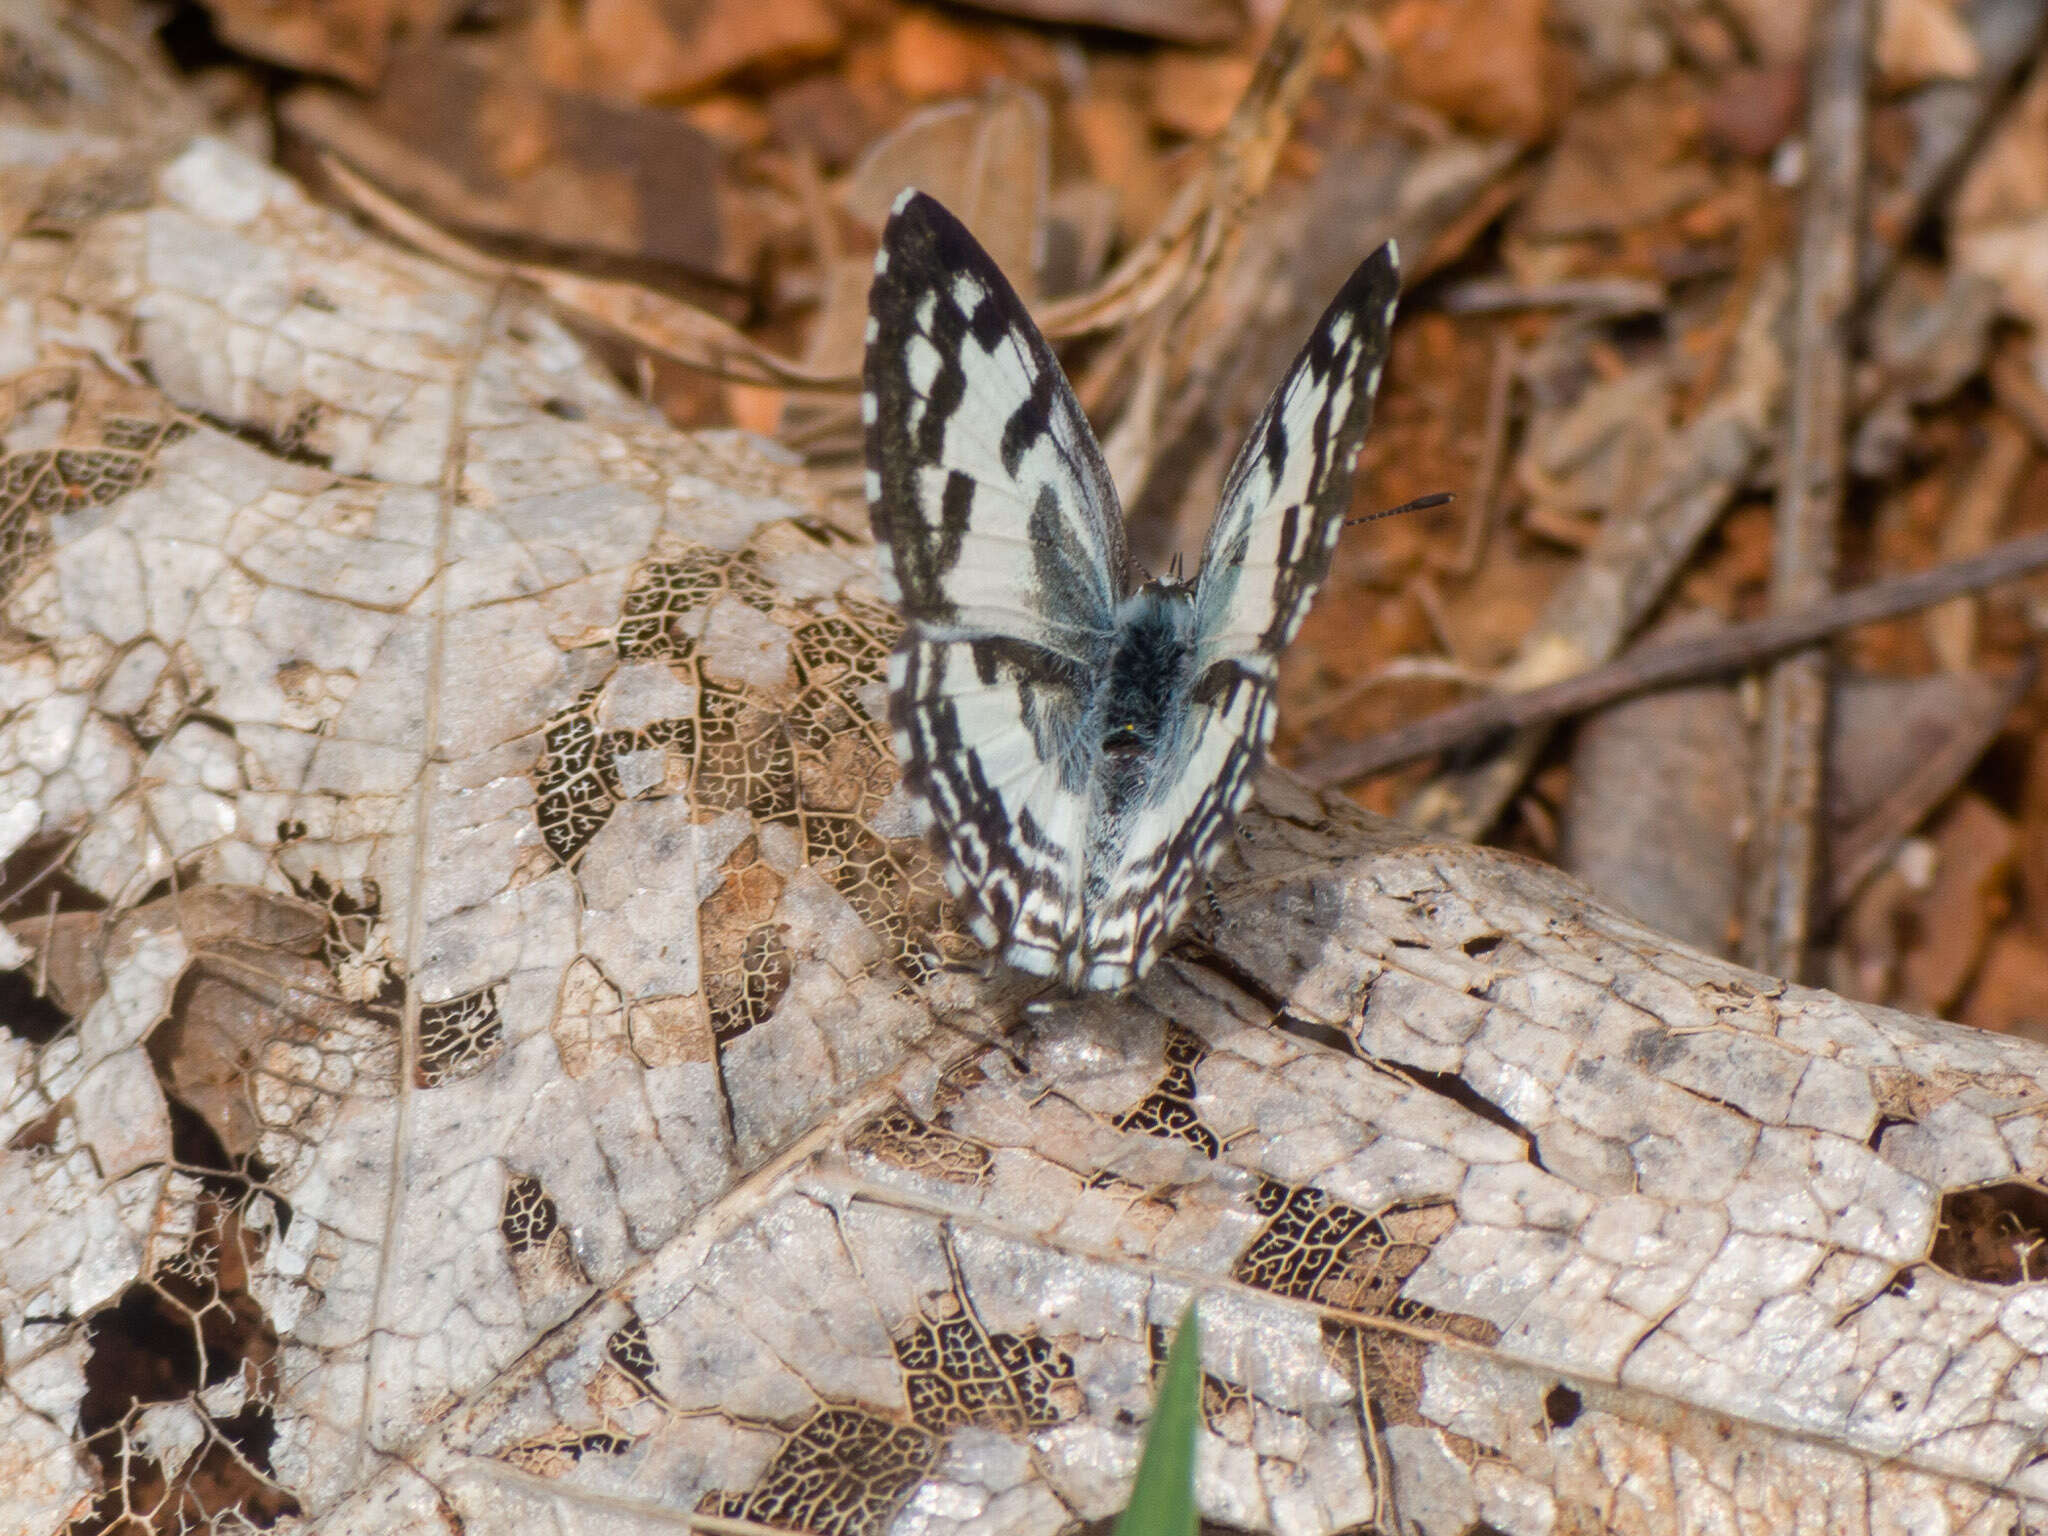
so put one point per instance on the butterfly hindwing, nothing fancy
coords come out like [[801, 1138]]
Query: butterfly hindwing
[[1163, 847], [986, 730]]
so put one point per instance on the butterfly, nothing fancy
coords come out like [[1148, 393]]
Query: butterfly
[[1081, 741]]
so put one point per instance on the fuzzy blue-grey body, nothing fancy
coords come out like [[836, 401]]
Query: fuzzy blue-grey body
[[1081, 746]]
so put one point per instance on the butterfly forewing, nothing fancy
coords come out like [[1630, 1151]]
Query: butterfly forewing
[[1285, 498], [988, 494], [1081, 750]]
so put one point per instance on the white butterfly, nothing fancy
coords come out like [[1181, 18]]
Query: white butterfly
[[1082, 745]]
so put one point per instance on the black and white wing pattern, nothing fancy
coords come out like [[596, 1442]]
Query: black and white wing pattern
[[1080, 747], [1286, 497], [999, 537], [1283, 506]]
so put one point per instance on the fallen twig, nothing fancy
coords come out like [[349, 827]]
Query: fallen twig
[[1606, 296], [1493, 458], [1661, 666], [1951, 120], [1241, 164], [1786, 851]]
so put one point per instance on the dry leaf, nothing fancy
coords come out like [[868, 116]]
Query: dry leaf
[[345, 38], [480, 149], [651, 50], [1479, 62], [663, 1155], [1954, 918], [930, 56], [663, 325], [1923, 40], [988, 161], [1194, 93]]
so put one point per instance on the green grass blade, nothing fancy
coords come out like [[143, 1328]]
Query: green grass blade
[[1163, 1502]]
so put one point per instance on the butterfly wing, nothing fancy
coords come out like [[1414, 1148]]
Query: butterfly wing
[[1001, 541], [1269, 549], [1285, 498]]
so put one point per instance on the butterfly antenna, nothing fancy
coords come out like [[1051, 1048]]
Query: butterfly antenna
[[1419, 504]]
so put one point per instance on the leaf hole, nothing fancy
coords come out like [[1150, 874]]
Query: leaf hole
[[1561, 1406], [1995, 1233], [1453, 1087], [27, 1013]]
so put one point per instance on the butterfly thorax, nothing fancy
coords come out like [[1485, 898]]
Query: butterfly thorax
[[1144, 692]]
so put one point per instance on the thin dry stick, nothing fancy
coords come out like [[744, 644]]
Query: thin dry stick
[[1785, 866], [1685, 661], [2013, 387], [1493, 457], [1600, 295], [1972, 526], [1953, 120]]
